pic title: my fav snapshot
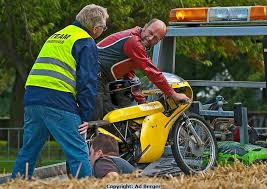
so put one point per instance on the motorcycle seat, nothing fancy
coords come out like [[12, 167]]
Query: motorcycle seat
[[133, 112]]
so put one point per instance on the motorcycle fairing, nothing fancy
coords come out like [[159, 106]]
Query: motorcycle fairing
[[133, 112], [154, 134], [180, 85], [153, 137]]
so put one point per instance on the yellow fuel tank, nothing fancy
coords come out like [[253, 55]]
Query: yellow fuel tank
[[132, 112]]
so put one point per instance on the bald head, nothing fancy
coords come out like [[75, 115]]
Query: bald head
[[158, 23], [153, 32]]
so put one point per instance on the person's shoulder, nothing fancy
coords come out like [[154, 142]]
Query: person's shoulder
[[134, 42], [123, 165], [136, 31], [103, 161], [116, 158], [103, 166], [86, 42], [136, 34]]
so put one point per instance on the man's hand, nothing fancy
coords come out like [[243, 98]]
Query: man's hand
[[180, 98], [83, 128]]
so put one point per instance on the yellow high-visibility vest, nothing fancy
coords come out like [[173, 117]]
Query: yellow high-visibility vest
[[55, 67]]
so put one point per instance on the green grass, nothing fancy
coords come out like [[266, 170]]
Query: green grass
[[6, 167], [50, 154]]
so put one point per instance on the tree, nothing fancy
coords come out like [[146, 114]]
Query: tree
[[25, 25], [230, 58]]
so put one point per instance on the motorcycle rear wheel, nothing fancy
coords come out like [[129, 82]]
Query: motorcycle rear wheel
[[190, 156]]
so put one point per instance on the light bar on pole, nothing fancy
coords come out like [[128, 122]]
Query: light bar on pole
[[188, 15], [213, 15]]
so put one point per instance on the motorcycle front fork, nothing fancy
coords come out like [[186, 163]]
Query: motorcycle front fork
[[191, 128]]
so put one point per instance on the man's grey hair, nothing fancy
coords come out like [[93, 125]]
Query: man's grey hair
[[92, 15]]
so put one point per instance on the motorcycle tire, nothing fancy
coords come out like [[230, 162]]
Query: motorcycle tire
[[199, 154]]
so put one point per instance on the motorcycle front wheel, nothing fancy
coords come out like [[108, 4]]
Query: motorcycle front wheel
[[193, 154]]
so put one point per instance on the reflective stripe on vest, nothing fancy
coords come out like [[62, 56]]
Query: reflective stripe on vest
[[55, 67], [55, 75], [56, 62]]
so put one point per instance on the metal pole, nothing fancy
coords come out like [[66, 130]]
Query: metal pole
[[8, 147], [195, 107], [244, 127], [166, 60], [240, 116], [264, 44], [155, 57], [18, 139]]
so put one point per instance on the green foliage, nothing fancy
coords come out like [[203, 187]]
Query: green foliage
[[6, 81], [6, 77], [231, 53], [25, 25], [250, 98]]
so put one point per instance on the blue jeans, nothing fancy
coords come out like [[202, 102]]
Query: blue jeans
[[39, 121]]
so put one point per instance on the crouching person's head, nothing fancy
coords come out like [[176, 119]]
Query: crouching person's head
[[103, 145], [104, 157]]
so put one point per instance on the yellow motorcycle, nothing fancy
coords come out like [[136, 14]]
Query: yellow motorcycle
[[144, 130]]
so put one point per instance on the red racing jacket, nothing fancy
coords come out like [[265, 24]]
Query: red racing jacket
[[120, 54]]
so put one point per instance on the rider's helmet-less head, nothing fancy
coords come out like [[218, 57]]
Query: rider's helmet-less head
[[121, 91]]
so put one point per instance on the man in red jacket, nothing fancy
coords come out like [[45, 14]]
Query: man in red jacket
[[122, 53]]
